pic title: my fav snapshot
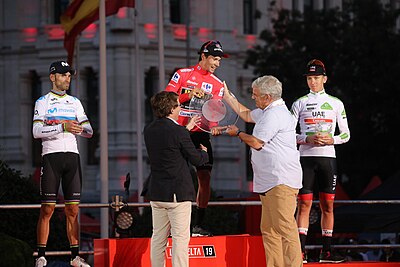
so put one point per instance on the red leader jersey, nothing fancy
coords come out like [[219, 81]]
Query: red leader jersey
[[184, 80]]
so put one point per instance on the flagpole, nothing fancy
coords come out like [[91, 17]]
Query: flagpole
[[78, 73], [161, 72], [187, 22], [103, 123], [138, 114]]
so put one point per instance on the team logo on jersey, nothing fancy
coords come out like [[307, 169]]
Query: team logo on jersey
[[207, 87], [318, 114], [52, 110], [176, 77], [66, 110], [326, 106], [185, 90]]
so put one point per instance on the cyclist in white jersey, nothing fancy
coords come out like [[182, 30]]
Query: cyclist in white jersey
[[318, 113], [58, 118]]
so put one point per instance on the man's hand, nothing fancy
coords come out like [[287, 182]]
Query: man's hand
[[218, 130], [192, 122], [203, 148], [232, 130], [73, 127], [227, 93], [320, 139], [197, 92]]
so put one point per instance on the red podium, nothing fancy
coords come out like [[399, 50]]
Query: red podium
[[218, 251]]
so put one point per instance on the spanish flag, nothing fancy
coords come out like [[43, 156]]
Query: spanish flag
[[80, 14]]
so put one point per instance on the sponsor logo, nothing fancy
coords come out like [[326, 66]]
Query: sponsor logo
[[221, 92], [176, 77], [334, 182], [185, 113], [316, 120], [318, 114], [36, 112], [326, 106], [196, 251], [66, 110], [194, 83], [207, 87], [54, 99], [186, 70], [185, 90], [45, 131]]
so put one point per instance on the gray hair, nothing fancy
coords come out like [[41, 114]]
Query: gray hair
[[268, 85]]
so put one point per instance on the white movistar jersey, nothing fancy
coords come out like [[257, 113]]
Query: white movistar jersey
[[320, 108], [51, 110]]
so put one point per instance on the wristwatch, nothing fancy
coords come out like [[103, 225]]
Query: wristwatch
[[238, 132]]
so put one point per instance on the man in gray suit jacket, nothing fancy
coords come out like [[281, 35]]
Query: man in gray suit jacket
[[170, 187]]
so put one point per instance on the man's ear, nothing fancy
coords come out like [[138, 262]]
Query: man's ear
[[325, 79]]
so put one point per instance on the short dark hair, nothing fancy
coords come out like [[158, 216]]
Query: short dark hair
[[163, 102]]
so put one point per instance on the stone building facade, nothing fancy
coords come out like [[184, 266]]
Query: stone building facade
[[31, 38]]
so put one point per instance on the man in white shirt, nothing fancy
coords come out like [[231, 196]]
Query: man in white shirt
[[276, 167]]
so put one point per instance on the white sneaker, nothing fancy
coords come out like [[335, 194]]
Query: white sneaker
[[41, 262], [79, 262]]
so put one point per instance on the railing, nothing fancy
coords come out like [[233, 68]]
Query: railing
[[118, 205]]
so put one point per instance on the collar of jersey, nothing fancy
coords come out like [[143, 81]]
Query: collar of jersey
[[57, 94], [199, 69], [318, 93]]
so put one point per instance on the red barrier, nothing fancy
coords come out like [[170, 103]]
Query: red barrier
[[218, 251]]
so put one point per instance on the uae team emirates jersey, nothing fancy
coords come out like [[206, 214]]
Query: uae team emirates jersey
[[184, 80], [314, 109]]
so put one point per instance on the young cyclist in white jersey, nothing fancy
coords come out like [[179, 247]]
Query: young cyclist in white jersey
[[57, 120], [318, 113]]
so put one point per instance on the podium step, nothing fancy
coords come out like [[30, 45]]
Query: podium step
[[354, 264], [217, 251]]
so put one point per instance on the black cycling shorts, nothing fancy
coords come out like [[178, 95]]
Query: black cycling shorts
[[319, 173], [204, 139], [61, 167]]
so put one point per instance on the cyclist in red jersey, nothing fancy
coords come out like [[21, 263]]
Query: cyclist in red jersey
[[197, 81]]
